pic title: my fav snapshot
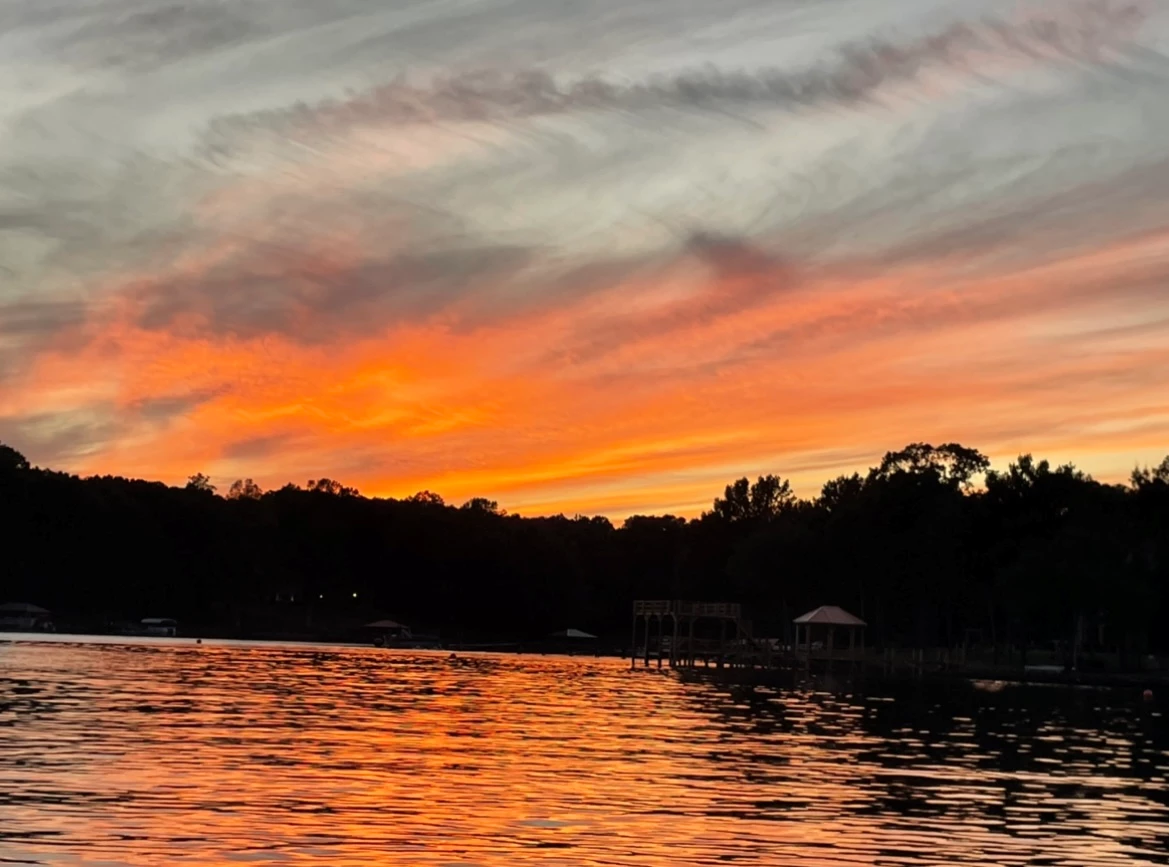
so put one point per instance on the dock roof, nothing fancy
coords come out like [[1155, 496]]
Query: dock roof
[[22, 608]]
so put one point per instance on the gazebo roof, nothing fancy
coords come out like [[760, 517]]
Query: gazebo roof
[[830, 615], [385, 624], [572, 633]]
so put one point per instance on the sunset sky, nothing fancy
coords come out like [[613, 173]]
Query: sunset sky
[[593, 257]]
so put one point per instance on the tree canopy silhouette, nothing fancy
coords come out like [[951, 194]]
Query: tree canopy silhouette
[[917, 546], [11, 460], [950, 464], [244, 489], [201, 483], [761, 500]]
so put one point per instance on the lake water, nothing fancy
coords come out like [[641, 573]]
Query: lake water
[[166, 753]]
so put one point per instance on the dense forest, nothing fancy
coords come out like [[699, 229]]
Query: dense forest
[[931, 547]]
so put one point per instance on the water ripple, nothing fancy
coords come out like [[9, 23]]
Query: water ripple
[[212, 754]]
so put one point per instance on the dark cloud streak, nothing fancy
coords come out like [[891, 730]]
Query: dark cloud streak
[[311, 297], [860, 70]]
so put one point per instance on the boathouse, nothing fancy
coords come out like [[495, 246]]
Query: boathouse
[[685, 632], [25, 617]]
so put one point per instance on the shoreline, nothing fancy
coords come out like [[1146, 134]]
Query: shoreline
[[499, 649], [987, 679]]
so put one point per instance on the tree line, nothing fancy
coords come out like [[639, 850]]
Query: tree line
[[932, 547]]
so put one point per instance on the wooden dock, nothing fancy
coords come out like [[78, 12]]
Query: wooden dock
[[687, 634]]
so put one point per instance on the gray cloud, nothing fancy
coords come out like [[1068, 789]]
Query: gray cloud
[[55, 439], [255, 447], [31, 318], [856, 72], [28, 325], [566, 173], [1053, 222], [144, 34], [61, 439], [163, 408], [743, 276], [300, 294]]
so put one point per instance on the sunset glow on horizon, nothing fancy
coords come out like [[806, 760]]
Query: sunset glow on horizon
[[595, 260]]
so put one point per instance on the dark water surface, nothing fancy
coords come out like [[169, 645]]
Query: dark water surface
[[170, 753]]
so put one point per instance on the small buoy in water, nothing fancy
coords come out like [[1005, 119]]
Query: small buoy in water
[[454, 656], [198, 640], [1148, 695]]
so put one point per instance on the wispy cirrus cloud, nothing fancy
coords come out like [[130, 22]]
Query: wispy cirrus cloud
[[559, 258]]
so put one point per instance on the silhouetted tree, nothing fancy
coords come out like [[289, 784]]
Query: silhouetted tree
[[332, 487], [761, 500], [839, 492], [201, 483], [11, 460], [244, 489], [951, 463], [1147, 477], [480, 504]]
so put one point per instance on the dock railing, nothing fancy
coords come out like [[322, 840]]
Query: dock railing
[[684, 608]]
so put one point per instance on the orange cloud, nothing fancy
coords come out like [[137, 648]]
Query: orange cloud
[[597, 404]]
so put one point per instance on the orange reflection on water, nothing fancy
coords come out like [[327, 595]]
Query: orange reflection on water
[[168, 752]]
